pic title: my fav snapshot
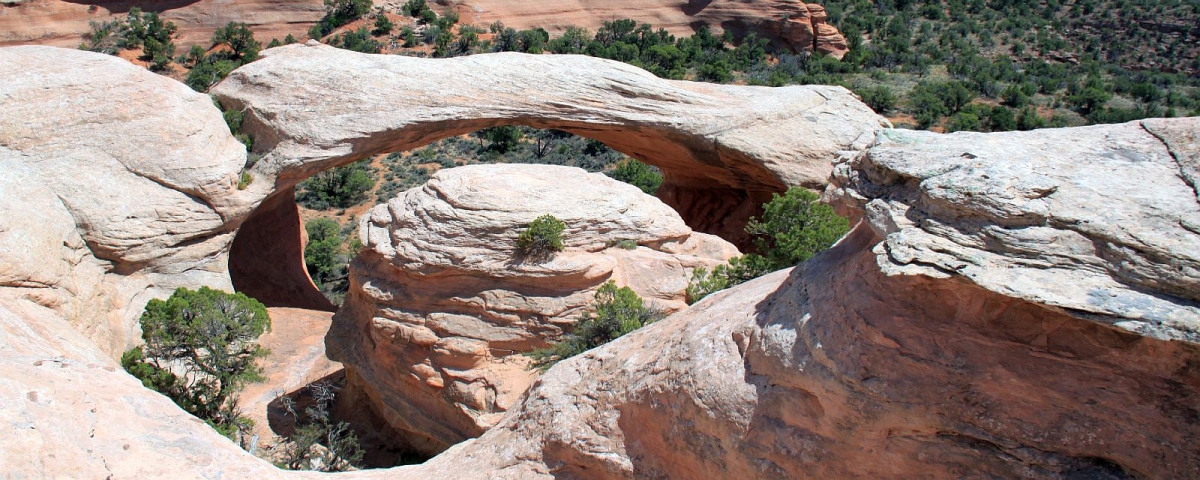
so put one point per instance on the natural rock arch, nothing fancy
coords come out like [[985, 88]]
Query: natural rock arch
[[723, 149]]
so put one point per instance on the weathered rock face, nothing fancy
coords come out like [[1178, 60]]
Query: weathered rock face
[[948, 335], [1069, 221], [723, 149], [119, 186], [441, 306]]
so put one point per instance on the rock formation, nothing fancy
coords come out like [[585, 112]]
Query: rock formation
[[441, 306], [117, 190], [723, 149], [1015, 304], [792, 25]]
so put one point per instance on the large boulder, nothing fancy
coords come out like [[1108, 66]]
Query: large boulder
[[119, 185], [723, 149], [441, 306]]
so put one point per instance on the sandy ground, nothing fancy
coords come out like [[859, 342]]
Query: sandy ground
[[297, 358]]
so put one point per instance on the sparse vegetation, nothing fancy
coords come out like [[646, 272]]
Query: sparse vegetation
[[320, 443], [207, 69], [138, 30], [542, 238], [200, 351], [615, 311], [327, 258], [341, 187], [337, 14]]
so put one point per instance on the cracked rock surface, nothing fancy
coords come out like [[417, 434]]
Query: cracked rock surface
[[1099, 221]]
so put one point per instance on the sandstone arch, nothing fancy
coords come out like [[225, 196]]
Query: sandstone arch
[[723, 149]]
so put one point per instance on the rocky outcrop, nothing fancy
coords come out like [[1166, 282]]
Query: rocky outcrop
[[1070, 223], [723, 149], [441, 306], [119, 184], [1017, 304]]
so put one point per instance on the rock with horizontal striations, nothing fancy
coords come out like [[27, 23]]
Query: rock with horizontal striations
[[442, 306], [723, 149]]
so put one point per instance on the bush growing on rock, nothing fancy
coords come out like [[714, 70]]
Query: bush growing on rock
[[793, 228], [616, 312], [200, 351], [542, 238]]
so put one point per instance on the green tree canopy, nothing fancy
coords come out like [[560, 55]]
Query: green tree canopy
[[201, 350]]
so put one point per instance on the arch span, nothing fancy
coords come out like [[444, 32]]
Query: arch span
[[723, 149]]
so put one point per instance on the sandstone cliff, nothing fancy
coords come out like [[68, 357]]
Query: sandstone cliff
[[441, 307], [723, 149]]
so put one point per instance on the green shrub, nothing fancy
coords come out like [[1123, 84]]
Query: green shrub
[[325, 257], [200, 351], [793, 228], [542, 238], [615, 312], [341, 187], [338, 13], [638, 174]]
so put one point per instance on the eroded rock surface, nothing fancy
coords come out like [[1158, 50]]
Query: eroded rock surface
[[119, 185], [990, 316], [1100, 221], [723, 149], [441, 304]]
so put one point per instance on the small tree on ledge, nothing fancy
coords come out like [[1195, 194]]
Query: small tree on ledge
[[542, 238]]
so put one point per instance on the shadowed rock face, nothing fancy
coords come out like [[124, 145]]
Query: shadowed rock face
[[723, 149], [441, 307]]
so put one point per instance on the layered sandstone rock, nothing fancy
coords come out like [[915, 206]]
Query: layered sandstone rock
[[119, 184], [441, 305], [1017, 304], [723, 149]]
